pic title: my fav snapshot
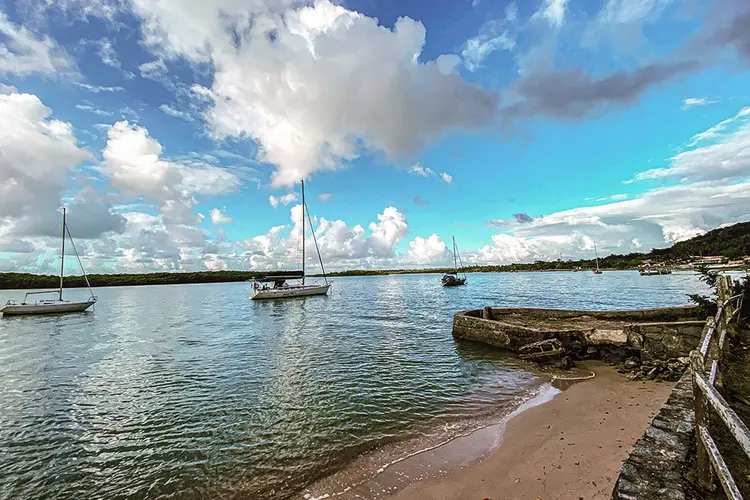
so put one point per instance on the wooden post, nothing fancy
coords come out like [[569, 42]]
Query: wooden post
[[487, 313], [702, 459]]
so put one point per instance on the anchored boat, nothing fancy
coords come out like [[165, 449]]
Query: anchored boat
[[596, 253], [453, 279], [276, 286], [53, 306]]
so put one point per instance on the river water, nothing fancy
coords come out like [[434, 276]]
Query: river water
[[194, 391]]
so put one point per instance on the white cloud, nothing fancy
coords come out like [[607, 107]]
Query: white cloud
[[96, 89], [24, 53], [284, 199], [93, 109], [429, 251], [219, 217], [153, 70], [341, 245], [297, 85], [491, 37], [325, 197], [418, 169], [422, 171], [718, 154], [554, 12], [176, 113], [692, 102], [38, 155]]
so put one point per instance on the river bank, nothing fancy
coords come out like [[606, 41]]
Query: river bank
[[571, 447]]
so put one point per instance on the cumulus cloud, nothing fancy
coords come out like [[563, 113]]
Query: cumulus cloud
[[340, 245], [294, 81], [429, 251], [38, 153], [219, 217], [447, 178], [325, 197], [24, 53]]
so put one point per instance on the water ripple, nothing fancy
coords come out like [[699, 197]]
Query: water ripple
[[195, 392]]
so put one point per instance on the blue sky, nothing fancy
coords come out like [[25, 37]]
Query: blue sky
[[176, 132]]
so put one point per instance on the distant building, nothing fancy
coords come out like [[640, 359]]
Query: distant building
[[707, 260]]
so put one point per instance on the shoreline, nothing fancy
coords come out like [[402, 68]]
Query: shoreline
[[568, 441], [569, 447]]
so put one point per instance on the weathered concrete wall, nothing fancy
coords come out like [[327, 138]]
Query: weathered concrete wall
[[658, 333], [659, 341], [505, 335], [654, 470], [655, 315]]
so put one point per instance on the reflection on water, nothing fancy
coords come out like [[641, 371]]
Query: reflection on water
[[194, 391]]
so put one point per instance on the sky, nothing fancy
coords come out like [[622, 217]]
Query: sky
[[176, 132]]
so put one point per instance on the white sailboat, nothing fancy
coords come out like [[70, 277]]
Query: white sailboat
[[280, 289], [53, 306], [453, 279], [596, 253]]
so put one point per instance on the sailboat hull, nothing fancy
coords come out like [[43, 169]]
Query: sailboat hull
[[454, 282], [45, 307], [290, 292]]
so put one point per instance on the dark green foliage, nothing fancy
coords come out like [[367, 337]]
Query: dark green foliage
[[22, 280], [730, 242]]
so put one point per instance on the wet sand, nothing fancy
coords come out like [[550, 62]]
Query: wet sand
[[571, 447]]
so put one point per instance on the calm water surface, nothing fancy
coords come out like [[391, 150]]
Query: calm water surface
[[194, 391]]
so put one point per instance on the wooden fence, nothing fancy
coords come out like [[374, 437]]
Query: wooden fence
[[706, 373]]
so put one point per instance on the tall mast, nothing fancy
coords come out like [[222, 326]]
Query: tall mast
[[455, 264], [62, 258], [303, 231], [596, 253]]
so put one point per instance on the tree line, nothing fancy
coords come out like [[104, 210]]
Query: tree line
[[730, 242]]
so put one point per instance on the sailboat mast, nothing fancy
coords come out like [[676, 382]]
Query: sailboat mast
[[455, 264], [303, 231], [596, 253], [62, 257]]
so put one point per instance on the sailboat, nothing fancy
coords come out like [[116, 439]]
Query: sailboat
[[279, 288], [452, 279], [54, 306], [597, 270]]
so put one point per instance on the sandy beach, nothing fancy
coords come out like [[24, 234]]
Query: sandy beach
[[569, 448]]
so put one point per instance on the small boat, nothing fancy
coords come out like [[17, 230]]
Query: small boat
[[652, 271], [453, 279], [597, 270], [52, 306], [276, 286]]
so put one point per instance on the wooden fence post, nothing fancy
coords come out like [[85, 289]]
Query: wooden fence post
[[703, 462]]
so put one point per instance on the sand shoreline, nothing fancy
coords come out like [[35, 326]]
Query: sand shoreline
[[570, 447]]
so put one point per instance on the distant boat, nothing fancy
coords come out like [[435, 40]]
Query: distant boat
[[453, 279], [652, 271], [597, 270], [58, 306], [276, 286]]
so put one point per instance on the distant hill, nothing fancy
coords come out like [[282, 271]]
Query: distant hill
[[731, 242]]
